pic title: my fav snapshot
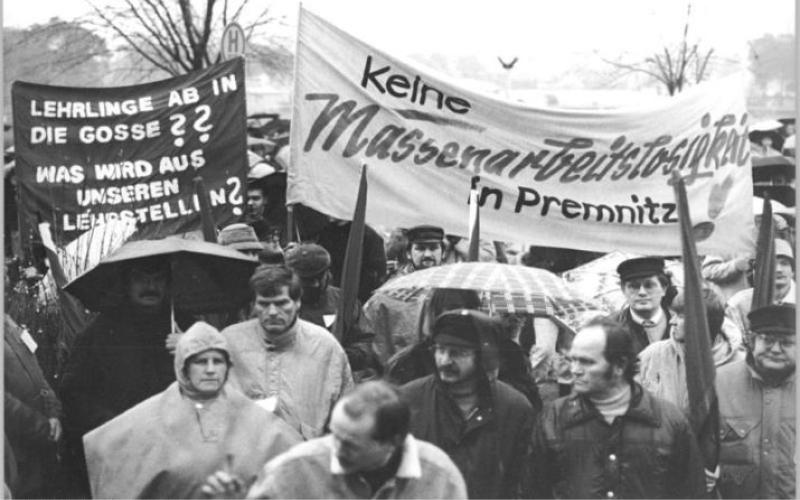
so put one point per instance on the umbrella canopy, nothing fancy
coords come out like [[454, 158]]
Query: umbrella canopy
[[502, 287], [766, 125], [204, 277]]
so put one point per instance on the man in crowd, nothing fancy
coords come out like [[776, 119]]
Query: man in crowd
[[123, 357], [481, 422], [393, 321], [32, 416], [369, 454], [265, 212], [292, 366], [757, 410], [644, 283], [321, 302], [784, 288], [663, 363], [610, 438]]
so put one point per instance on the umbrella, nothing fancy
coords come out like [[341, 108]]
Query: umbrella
[[205, 277], [766, 125], [599, 281], [502, 287]]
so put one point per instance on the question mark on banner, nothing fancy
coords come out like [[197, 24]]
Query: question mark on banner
[[235, 195], [204, 110], [177, 129]]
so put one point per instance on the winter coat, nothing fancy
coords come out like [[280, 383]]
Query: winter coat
[[490, 448], [166, 446], [650, 452], [757, 432], [640, 339], [29, 404]]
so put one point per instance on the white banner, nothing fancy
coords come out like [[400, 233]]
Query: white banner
[[592, 180]]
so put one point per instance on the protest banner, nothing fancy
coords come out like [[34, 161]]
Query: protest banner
[[596, 180], [86, 156]]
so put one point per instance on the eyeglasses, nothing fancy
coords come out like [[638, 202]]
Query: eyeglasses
[[771, 340], [453, 352]]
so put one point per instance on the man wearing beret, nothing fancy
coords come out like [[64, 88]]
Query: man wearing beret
[[394, 321], [644, 283], [481, 422], [757, 410], [321, 301]]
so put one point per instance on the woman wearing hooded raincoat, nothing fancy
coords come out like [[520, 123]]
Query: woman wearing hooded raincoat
[[166, 446]]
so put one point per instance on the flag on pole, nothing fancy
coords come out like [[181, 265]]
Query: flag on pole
[[763, 283], [474, 227], [351, 270], [206, 216], [700, 369]]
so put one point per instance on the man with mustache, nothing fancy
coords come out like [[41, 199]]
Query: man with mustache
[[289, 365], [645, 284], [757, 410], [611, 438], [321, 302], [393, 321], [783, 291], [122, 358], [482, 423]]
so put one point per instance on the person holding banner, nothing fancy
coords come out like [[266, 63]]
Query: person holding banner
[[611, 438], [757, 410], [645, 284], [287, 364]]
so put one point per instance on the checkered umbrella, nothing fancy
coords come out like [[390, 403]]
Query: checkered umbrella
[[502, 288]]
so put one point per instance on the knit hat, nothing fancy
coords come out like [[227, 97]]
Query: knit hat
[[774, 319], [308, 259], [470, 329]]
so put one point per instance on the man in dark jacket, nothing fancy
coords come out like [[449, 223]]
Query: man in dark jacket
[[611, 438], [482, 423], [320, 304], [646, 286], [32, 416], [122, 357]]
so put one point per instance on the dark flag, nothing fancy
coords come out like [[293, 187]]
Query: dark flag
[[206, 216], [700, 369], [474, 228], [764, 280], [351, 269]]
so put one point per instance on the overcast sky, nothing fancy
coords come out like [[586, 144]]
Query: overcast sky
[[537, 30]]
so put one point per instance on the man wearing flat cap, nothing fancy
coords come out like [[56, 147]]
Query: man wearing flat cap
[[481, 422], [321, 301], [644, 283], [425, 248], [757, 410]]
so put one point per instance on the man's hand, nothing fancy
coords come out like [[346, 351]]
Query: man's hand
[[711, 479], [172, 341], [55, 429], [223, 485]]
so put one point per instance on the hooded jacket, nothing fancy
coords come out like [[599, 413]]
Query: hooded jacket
[[166, 446], [491, 446]]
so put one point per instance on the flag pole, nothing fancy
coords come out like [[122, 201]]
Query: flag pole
[[474, 227]]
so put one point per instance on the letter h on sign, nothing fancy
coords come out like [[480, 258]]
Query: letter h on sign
[[232, 41]]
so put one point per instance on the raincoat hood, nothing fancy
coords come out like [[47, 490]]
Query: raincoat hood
[[200, 337]]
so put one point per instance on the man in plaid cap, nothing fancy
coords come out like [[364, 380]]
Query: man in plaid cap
[[757, 410], [482, 423]]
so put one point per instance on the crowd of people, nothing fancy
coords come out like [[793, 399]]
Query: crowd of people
[[430, 398]]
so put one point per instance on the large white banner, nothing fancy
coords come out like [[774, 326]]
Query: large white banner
[[593, 180]]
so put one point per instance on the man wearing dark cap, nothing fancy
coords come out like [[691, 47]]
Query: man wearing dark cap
[[644, 283], [425, 249], [122, 357], [481, 422], [757, 410], [321, 301]]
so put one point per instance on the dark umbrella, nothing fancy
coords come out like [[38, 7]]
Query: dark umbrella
[[204, 277]]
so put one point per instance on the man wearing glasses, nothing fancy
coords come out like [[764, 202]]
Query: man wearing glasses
[[757, 410], [481, 422]]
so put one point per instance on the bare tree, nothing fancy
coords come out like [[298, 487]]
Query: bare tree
[[178, 36], [673, 67]]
